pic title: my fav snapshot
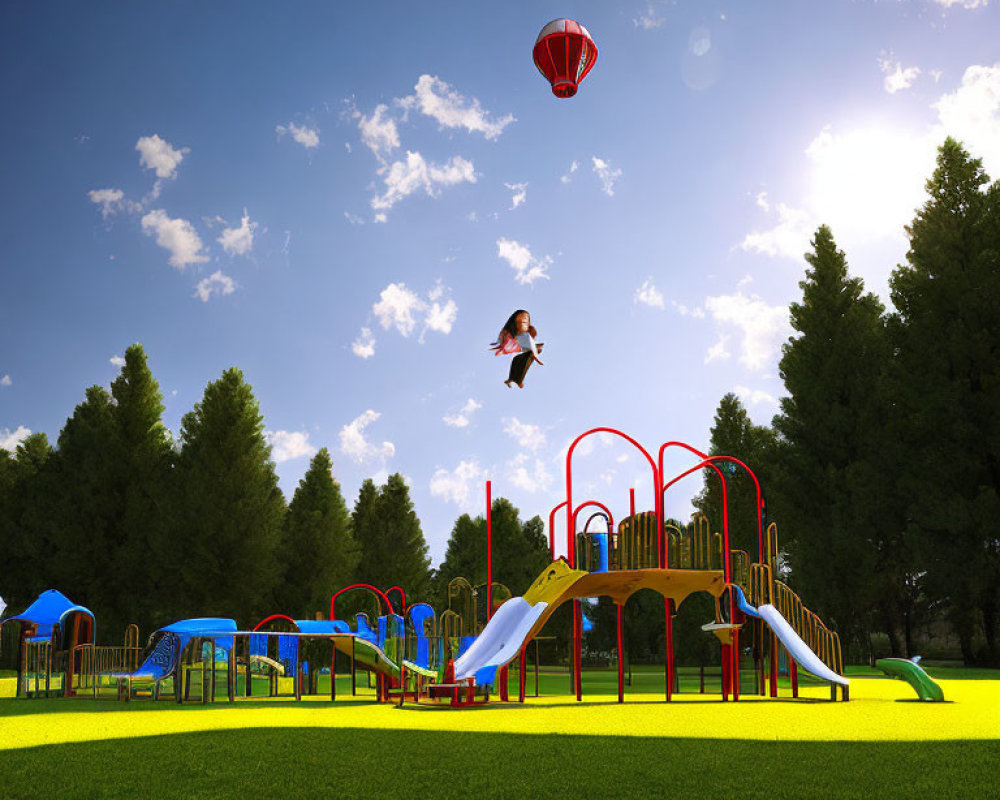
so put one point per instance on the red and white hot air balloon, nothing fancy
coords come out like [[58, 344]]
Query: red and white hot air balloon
[[564, 53]]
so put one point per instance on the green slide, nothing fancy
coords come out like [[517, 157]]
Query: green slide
[[904, 669]]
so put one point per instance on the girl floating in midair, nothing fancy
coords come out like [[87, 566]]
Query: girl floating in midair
[[518, 336]]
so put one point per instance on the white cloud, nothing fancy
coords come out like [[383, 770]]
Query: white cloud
[[159, 155], [403, 178], [897, 78], [520, 191], [789, 238], [378, 133], [463, 416], [304, 135], [112, 201], [460, 485], [117, 361], [697, 312], [440, 317], [438, 100], [526, 435], [762, 202], [762, 327], [606, 174], [649, 295], [572, 168], [9, 440], [527, 268], [364, 345], [239, 241], [755, 397], [586, 447], [6, 381], [649, 20], [396, 307], [354, 219], [971, 114], [287, 445], [535, 479], [176, 235], [354, 444], [217, 283], [403, 309], [718, 351], [969, 4]]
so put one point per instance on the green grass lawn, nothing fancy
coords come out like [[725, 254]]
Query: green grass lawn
[[260, 760], [353, 763]]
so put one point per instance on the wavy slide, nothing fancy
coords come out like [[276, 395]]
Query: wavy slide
[[911, 672], [371, 657]]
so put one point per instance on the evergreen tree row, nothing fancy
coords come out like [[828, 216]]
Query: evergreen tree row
[[883, 465], [140, 528]]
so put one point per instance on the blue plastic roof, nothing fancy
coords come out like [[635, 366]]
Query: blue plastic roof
[[187, 629], [48, 609], [322, 626], [201, 625]]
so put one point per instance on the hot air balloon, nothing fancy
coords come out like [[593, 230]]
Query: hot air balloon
[[564, 53]]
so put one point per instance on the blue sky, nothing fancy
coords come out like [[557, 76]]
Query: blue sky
[[347, 200]]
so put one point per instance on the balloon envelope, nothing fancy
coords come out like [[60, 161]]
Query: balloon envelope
[[564, 53]]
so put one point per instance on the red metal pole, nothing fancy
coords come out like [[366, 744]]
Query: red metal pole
[[727, 668], [552, 530], [578, 648], [621, 663], [668, 627], [774, 665], [489, 551], [521, 676], [736, 663]]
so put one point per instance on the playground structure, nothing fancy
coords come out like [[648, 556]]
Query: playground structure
[[458, 658]]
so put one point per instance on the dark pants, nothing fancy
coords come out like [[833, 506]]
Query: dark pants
[[519, 367]]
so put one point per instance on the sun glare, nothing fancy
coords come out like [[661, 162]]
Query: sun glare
[[867, 182]]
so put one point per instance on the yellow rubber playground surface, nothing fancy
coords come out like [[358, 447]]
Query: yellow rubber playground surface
[[880, 709]]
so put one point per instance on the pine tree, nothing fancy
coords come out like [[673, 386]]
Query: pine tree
[[27, 554], [142, 458], [364, 524], [520, 551], [734, 434], [947, 388], [85, 511], [319, 548], [393, 549], [827, 427], [230, 507]]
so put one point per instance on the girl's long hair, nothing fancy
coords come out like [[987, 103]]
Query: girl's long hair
[[511, 324]]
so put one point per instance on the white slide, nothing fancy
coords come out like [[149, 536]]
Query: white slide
[[796, 648], [501, 639]]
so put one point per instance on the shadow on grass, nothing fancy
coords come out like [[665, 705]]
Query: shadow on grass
[[357, 763]]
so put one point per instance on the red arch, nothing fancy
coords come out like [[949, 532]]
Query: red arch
[[402, 596], [378, 593], [258, 626], [710, 461], [571, 518], [552, 528], [604, 508]]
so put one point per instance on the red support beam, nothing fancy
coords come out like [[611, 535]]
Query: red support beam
[[489, 551]]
